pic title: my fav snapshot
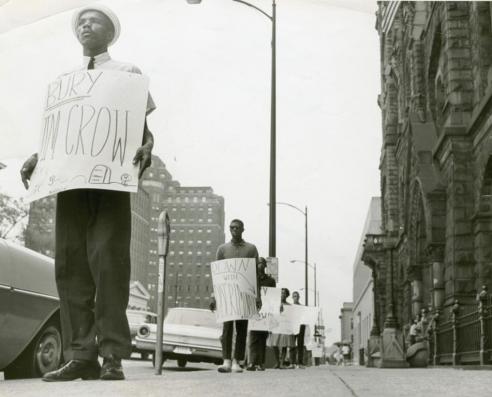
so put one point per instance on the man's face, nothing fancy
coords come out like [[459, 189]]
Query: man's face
[[236, 229], [295, 297], [261, 267], [283, 294], [94, 30]]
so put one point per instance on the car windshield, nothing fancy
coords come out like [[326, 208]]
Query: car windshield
[[192, 317]]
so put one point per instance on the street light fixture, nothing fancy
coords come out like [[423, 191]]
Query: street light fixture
[[316, 299], [305, 213], [272, 245]]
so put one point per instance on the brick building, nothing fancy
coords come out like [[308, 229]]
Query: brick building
[[363, 296], [346, 322], [197, 219], [197, 229], [435, 249]]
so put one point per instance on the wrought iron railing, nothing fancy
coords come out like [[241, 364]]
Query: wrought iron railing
[[465, 335]]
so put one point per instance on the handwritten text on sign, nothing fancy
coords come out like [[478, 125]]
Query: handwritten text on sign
[[266, 319], [234, 282], [92, 126]]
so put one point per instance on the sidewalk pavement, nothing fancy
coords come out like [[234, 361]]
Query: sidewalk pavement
[[414, 382], [199, 380]]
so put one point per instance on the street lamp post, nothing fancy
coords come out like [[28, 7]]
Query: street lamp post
[[272, 245], [305, 213], [313, 266]]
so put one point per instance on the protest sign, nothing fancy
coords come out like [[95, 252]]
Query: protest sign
[[91, 128], [234, 282], [270, 306], [287, 322], [307, 314]]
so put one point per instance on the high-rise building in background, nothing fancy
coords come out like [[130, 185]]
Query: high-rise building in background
[[197, 229]]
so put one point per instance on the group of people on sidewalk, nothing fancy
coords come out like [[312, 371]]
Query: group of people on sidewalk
[[258, 340]]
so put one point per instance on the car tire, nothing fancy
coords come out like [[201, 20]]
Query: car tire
[[182, 362], [144, 356], [42, 355]]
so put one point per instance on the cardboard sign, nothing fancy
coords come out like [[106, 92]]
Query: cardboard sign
[[307, 315], [92, 126], [270, 307], [234, 282], [287, 322]]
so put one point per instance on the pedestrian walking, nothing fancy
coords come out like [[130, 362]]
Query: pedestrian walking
[[296, 352], [236, 248], [281, 342], [346, 354], [258, 339], [93, 229]]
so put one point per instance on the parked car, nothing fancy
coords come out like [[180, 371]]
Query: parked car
[[30, 336], [190, 335], [135, 319]]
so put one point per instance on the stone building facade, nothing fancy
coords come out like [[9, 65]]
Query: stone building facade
[[346, 322], [363, 297], [435, 250]]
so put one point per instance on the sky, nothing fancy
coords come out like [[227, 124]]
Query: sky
[[209, 69]]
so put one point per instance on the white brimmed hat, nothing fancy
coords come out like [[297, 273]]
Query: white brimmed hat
[[102, 9]]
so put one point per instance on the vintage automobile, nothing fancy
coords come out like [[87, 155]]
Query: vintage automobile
[[190, 335], [135, 319], [30, 337]]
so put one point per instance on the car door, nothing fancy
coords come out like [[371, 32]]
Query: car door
[[5, 305]]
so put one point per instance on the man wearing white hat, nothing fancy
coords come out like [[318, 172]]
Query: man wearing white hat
[[93, 230]]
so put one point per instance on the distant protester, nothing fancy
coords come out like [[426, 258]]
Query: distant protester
[[296, 352], [281, 342], [236, 248], [257, 339]]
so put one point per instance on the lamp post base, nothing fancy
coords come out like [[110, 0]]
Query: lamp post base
[[392, 349]]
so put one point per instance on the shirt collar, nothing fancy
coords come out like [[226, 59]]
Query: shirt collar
[[98, 59], [238, 243]]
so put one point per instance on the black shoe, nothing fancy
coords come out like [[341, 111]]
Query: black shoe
[[251, 367], [74, 369], [111, 369]]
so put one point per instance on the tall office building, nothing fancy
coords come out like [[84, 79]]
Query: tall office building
[[197, 229]]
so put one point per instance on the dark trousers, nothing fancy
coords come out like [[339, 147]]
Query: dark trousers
[[92, 269], [297, 353], [226, 339], [257, 347]]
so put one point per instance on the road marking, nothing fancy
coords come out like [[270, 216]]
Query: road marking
[[352, 391]]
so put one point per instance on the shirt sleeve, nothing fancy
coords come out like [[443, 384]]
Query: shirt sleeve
[[220, 254], [150, 101]]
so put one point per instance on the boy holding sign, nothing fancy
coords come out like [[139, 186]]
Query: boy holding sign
[[93, 225], [225, 289], [258, 339]]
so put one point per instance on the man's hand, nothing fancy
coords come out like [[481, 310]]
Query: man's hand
[[258, 303], [28, 168], [144, 155], [213, 305], [144, 152]]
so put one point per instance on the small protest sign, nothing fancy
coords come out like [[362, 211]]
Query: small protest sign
[[91, 128], [270, 307], [234, 282], [287, 322]]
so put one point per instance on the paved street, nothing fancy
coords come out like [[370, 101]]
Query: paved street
[[198, 380]]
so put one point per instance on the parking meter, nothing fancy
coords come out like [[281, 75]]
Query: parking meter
[[163, 233]]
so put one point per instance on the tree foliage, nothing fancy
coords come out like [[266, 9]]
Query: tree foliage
[[12, 212]]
